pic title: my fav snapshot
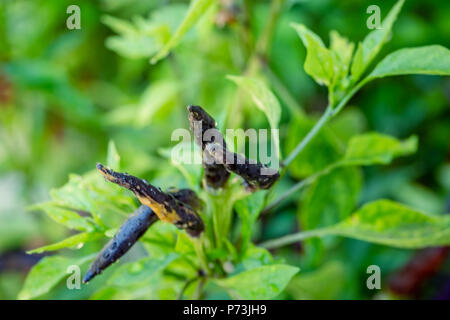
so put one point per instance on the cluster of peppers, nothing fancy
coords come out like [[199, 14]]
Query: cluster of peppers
[[179, 207]]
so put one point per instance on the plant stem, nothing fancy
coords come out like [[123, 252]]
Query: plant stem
[[286, 195], [327, 115], [311, 134], [298, 186], [292, 238]]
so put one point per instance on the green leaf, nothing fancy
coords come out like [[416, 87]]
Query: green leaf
[[342, 51], [65, 217], [373, 42], [384, 222], [263, 97], [265, 100], [432, 60], [324, 283], [265, 282], [113, 158], [76, 240], [196, 9], [331, 198], [376, 148], [141, 270], [47, 273], [132, 42], [319, 60], [390, 223], [248, 210]]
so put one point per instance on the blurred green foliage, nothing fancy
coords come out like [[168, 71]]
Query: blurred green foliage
[[64, 94]]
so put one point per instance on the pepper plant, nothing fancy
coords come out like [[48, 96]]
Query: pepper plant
[[224, 261]]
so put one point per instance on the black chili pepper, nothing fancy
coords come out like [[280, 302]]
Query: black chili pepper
[[165, 205], [217, 158], [255, 174], [204, 128], [128, 234]]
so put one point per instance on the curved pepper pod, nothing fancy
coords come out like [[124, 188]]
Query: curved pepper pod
[[255, 174], [165, 205], [129, 233], [204, 128]]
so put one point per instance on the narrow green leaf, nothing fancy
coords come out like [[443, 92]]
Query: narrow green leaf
[[113, 158], [390, 223], [78, 239], [376, 148], [265, 282], [319, 60], [47, 273], [383, 222], [265, 100], [432, 60], [65, 217], [196, 9], [373, 42]]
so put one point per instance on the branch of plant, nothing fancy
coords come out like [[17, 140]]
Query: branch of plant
[[298, 186], [330, 112], [292, 238], [326, 116]]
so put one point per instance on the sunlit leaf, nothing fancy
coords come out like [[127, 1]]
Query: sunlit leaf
[[319, 60], [376, 148], [432, 60], [196, 9], [373, 42], [63, 216], [47, 273], [73, 241]]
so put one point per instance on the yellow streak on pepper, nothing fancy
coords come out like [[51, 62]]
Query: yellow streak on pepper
[[160, 210]]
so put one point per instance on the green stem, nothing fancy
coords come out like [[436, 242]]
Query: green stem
[[298, 186], [198, 247], [327, 115], [311, 134], [292, 238]]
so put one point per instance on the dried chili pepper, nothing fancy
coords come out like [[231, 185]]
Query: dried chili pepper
[[204, 126], [165, 205], [129, 233], [255, 174]]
